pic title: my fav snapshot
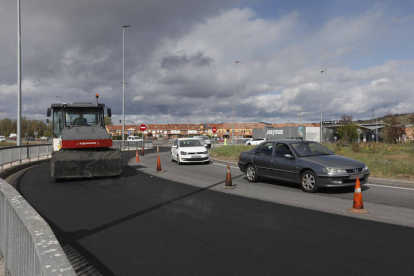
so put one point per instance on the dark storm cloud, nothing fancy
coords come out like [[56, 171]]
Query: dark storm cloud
[[77, 45], [176, 61]]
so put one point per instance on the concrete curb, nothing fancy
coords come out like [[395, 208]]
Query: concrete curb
[[371, 180]]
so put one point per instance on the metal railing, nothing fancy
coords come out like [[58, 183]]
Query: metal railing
[[133, 145], [8, 155], [27, 244]]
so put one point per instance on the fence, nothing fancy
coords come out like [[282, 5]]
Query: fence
[[28, 246], [8, 155], [133, 145]]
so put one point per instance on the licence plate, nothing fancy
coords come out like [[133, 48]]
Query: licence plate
[[355, 176], [196, 156]]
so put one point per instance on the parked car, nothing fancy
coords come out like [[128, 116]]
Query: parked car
[[305, 162], [255, 141], [30, 138], [188, 150], [134, 139], [13, 136], [205, 140], [2, 139]]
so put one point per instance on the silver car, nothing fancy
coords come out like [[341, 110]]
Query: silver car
[[305, 162]]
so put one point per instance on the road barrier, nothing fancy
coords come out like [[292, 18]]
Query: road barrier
[[8, 155], [133, 145], [27, 244], [229, 182], [358, 206], [159, 165]]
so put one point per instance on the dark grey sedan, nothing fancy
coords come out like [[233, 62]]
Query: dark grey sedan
[[305, 162]]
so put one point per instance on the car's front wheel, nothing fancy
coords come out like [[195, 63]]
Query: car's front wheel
[[251, 173], [308, 182], [172, 158], [249, 144]]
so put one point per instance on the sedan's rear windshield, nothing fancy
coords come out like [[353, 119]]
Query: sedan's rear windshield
[[304, 149], [191, 143]]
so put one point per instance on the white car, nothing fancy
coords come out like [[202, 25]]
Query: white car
[[255, 141], [188, 150], [205, 140], [2, 139], [134, 139]]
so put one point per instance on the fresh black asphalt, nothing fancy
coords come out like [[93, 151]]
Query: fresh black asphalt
[[139, 224]]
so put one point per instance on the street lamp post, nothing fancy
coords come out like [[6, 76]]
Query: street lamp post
[[123, 85], [321, 139], [19, 78], [234, 98]]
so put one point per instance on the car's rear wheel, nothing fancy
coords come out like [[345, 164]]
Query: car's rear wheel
[[249, 144], [251, 173], [178, 160], [308, 182]]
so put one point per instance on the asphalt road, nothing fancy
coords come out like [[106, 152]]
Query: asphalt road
[[147, 223]]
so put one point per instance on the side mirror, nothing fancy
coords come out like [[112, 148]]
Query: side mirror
[[49, 112], [175, 146], [288, 156], [109, 112]]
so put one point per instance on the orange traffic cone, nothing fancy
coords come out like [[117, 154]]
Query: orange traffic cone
[[136, 157], [358, 204], [142, 152], [159, 165], [229, 183]]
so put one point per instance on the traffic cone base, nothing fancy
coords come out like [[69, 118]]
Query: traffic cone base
[[358, 211]]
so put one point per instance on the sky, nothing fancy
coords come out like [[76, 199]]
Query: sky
[[180, 58]]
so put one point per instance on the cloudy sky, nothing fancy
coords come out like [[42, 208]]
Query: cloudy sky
[[180, 58]]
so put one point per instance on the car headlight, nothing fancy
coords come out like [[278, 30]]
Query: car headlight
[[334, 170], [206, 152], [183, 153], [365, 168]]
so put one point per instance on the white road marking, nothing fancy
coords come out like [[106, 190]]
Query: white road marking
[[392, 187], [225, 165]]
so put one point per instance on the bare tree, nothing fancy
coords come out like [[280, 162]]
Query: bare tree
[[348, 131], [347, 118], [394, 130]]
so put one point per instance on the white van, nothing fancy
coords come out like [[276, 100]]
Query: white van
[[134, 139], [2, 139]]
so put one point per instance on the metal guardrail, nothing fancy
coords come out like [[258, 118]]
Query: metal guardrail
[[27, 244], [133, 145], [8, 155]]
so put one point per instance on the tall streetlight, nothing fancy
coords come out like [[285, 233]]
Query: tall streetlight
[[321, 108], [19, 78], [234, 98], [123, 84]]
